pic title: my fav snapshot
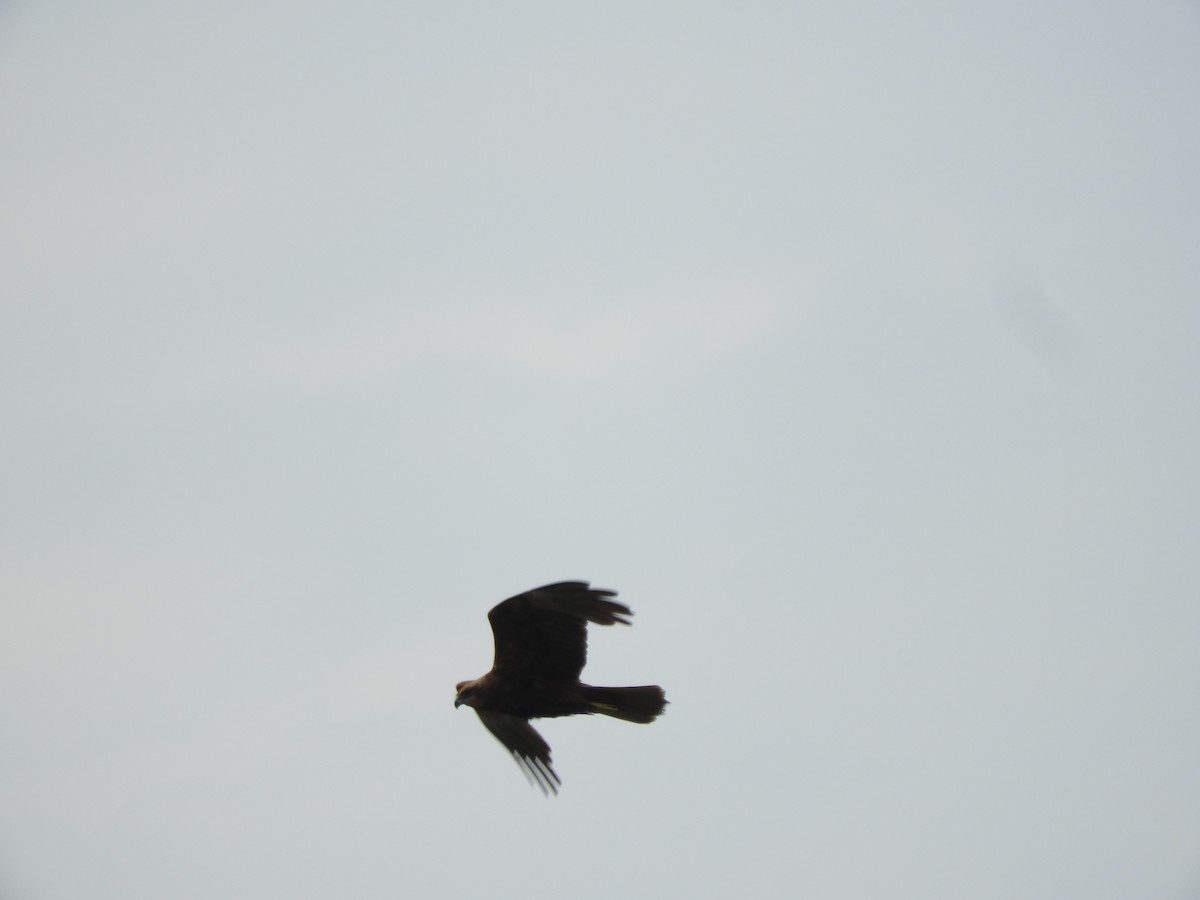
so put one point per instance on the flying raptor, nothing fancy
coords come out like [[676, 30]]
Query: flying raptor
[[541, 646]]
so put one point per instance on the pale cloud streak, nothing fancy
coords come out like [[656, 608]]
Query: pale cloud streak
[[617, 340]]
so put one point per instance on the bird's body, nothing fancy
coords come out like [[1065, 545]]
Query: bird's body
[[541, 646]]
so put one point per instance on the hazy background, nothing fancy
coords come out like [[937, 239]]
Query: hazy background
[[855, 344]]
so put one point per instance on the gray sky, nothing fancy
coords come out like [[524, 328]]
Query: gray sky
[[855, 344]]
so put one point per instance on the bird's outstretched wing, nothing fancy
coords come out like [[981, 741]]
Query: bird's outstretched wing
[[541, 635], [527, 747]]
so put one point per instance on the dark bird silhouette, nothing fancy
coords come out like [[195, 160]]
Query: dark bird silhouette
[[541, 646]]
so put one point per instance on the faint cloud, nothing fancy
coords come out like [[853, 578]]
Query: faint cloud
[[597, 341], [1039, 326]]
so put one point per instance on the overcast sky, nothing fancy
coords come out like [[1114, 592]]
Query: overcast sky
[[856, 345]]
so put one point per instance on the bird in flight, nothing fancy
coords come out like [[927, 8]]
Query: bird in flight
[[541, 646]]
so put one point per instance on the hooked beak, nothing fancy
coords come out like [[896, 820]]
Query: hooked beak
[[457, 702]]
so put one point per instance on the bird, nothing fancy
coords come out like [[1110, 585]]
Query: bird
[[541, 646]]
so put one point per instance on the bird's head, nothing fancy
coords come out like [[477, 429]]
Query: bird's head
[[465, 694]]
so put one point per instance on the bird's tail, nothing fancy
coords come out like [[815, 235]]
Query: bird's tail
[[633, 704]]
